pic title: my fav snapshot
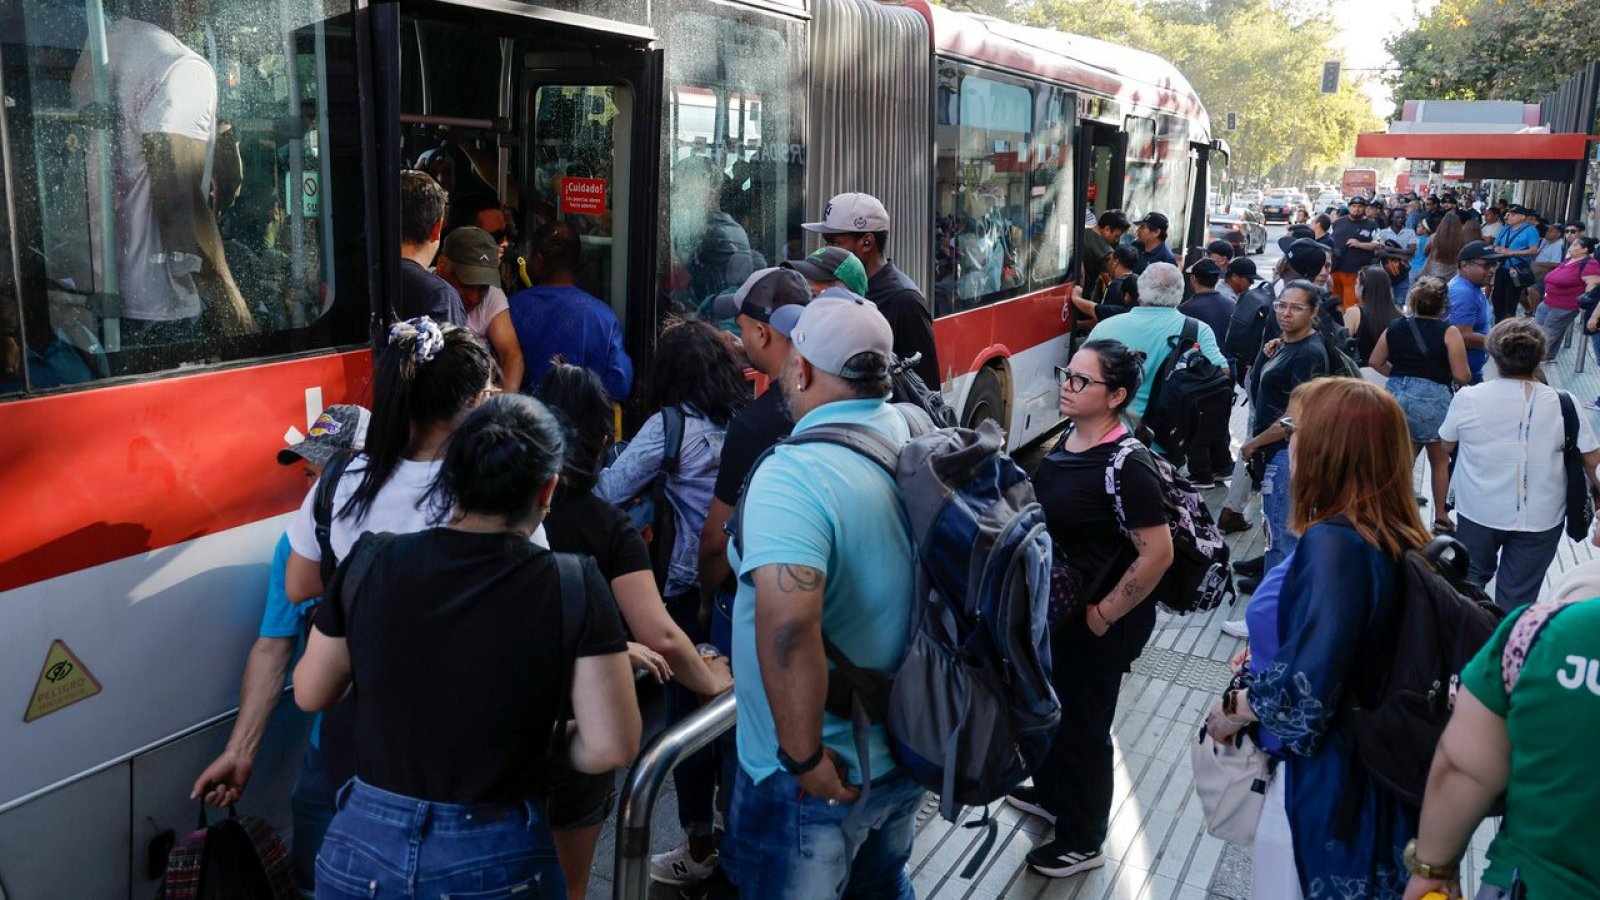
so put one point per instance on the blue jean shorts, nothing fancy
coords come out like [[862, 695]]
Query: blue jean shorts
[[1425, 402]]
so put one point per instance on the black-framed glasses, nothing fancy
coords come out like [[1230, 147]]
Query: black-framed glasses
[[1074, 382]]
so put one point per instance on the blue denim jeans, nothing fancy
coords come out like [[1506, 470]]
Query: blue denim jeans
[[1275, 507], [308, 803], [382, 844], [792, 846]]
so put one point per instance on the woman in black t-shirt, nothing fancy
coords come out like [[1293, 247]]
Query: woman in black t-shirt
[[1123, 547], [580, 522], [1422, 355], [455, 640]]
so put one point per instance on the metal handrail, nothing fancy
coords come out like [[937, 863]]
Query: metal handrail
[[643, 788]]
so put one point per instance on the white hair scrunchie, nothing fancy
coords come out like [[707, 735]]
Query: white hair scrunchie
[[429, 337]]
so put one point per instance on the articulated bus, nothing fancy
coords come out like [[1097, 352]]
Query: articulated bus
[[199, 237]]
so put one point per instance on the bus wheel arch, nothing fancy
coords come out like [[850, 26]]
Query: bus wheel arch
[[990, 396]]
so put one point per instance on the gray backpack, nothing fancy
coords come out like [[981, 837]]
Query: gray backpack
[[970, 712]]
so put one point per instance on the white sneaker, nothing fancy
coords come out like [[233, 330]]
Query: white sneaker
[[1236, 628], [679, 866]]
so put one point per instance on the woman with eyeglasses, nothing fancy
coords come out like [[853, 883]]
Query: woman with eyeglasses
[[1118, 558], [1299, 357]]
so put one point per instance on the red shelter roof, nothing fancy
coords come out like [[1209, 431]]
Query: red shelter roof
[[1560, 147]]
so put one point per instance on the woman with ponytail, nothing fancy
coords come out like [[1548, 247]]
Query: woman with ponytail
[[461, 644], [1119, 547], [425, 380]]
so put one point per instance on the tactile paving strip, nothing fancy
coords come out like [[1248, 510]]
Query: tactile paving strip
[[1184, 669]]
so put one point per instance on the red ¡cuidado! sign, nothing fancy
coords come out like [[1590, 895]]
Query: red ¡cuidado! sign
[[583, 196]]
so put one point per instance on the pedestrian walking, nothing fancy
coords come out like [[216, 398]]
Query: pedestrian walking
[[1510, 479], [1425, 360]]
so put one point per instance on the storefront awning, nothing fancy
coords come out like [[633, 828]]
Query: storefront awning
[[1470, 147]]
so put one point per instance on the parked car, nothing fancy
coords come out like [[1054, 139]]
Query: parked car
[[1325, 200], [1241, 229]]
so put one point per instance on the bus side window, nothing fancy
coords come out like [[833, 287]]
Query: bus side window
[[985, 194], [175, 186]]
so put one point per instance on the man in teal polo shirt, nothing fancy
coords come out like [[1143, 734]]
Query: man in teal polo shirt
[[824, 549], [1148, 327]]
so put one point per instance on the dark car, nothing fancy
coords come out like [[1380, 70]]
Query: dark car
[[1280, 207], [1247, 236]]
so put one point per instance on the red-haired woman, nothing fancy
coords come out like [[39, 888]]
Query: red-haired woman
[[1317, 623]]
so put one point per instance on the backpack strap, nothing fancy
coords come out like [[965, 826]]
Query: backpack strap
[[322, 510], [1178, 345], [366, 551], [574, 606], [672, 427], [1519, 643], [1416, 334]]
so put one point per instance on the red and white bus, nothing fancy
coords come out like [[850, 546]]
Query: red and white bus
[[137, 439]]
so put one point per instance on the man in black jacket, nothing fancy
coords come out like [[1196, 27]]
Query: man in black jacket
[[860, 224]]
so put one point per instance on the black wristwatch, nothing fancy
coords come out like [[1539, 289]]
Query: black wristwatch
[[803, 766]]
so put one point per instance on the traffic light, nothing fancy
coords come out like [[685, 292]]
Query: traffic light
[[1233, 121], [1330, 77]]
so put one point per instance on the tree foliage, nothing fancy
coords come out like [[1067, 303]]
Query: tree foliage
[[1261, 59], [1495, 49]]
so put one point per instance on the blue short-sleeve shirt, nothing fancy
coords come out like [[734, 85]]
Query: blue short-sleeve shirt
[[831, 509], [282, 619], [1469, 306]]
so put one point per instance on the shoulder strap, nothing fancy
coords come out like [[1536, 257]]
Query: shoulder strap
[[1177, 345], [866, 441], [1569, 419], [672, 438], [322, 510], [1519, 643], [574, 602], [1416, 334], [366, 551]]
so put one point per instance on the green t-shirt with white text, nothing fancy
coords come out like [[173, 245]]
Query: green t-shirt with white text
[[1551, 834]]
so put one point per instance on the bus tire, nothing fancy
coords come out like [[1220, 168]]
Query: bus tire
[[986, 400]]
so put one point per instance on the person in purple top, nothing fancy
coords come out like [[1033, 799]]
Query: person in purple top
[[555, 316]]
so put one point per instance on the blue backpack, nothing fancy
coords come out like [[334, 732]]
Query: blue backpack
[[970, 712]]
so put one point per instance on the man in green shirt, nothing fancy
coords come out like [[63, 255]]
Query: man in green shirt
[[1535, 744]]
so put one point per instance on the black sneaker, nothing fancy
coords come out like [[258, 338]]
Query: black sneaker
[[1254, 567], [1028, 799], [1056, 861], [1247, 585]]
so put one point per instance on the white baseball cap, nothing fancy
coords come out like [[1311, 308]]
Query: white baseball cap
[[851, 214], [835, 327]]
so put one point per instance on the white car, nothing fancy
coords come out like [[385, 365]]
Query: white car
[[1325, 200]]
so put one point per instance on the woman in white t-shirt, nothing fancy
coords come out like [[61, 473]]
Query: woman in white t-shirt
[[424, 383], [1510, 478]]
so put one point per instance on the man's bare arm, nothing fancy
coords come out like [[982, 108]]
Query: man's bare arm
[[179, 199]]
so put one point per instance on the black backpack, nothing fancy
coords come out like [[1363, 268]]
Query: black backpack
[[908, 387], [1440, 623], [1247, 329], [1190, 399]]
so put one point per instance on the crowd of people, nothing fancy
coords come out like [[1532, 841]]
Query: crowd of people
[[485, 509]]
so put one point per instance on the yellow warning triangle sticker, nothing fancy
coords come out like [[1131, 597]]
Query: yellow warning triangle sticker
[[63, 681]]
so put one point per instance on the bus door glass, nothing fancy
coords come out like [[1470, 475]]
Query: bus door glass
[[733, 192], [1103, 162], [578, 150], [185, 183], [1140, 192]]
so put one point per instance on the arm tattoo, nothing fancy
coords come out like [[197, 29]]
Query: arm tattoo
[[798, 579]]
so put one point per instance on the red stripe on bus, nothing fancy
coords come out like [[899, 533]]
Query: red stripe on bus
[[99, 475], [970, 339]]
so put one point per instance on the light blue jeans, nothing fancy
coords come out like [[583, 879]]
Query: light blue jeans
[[1275, 508], [382, 844], [792, 846]]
